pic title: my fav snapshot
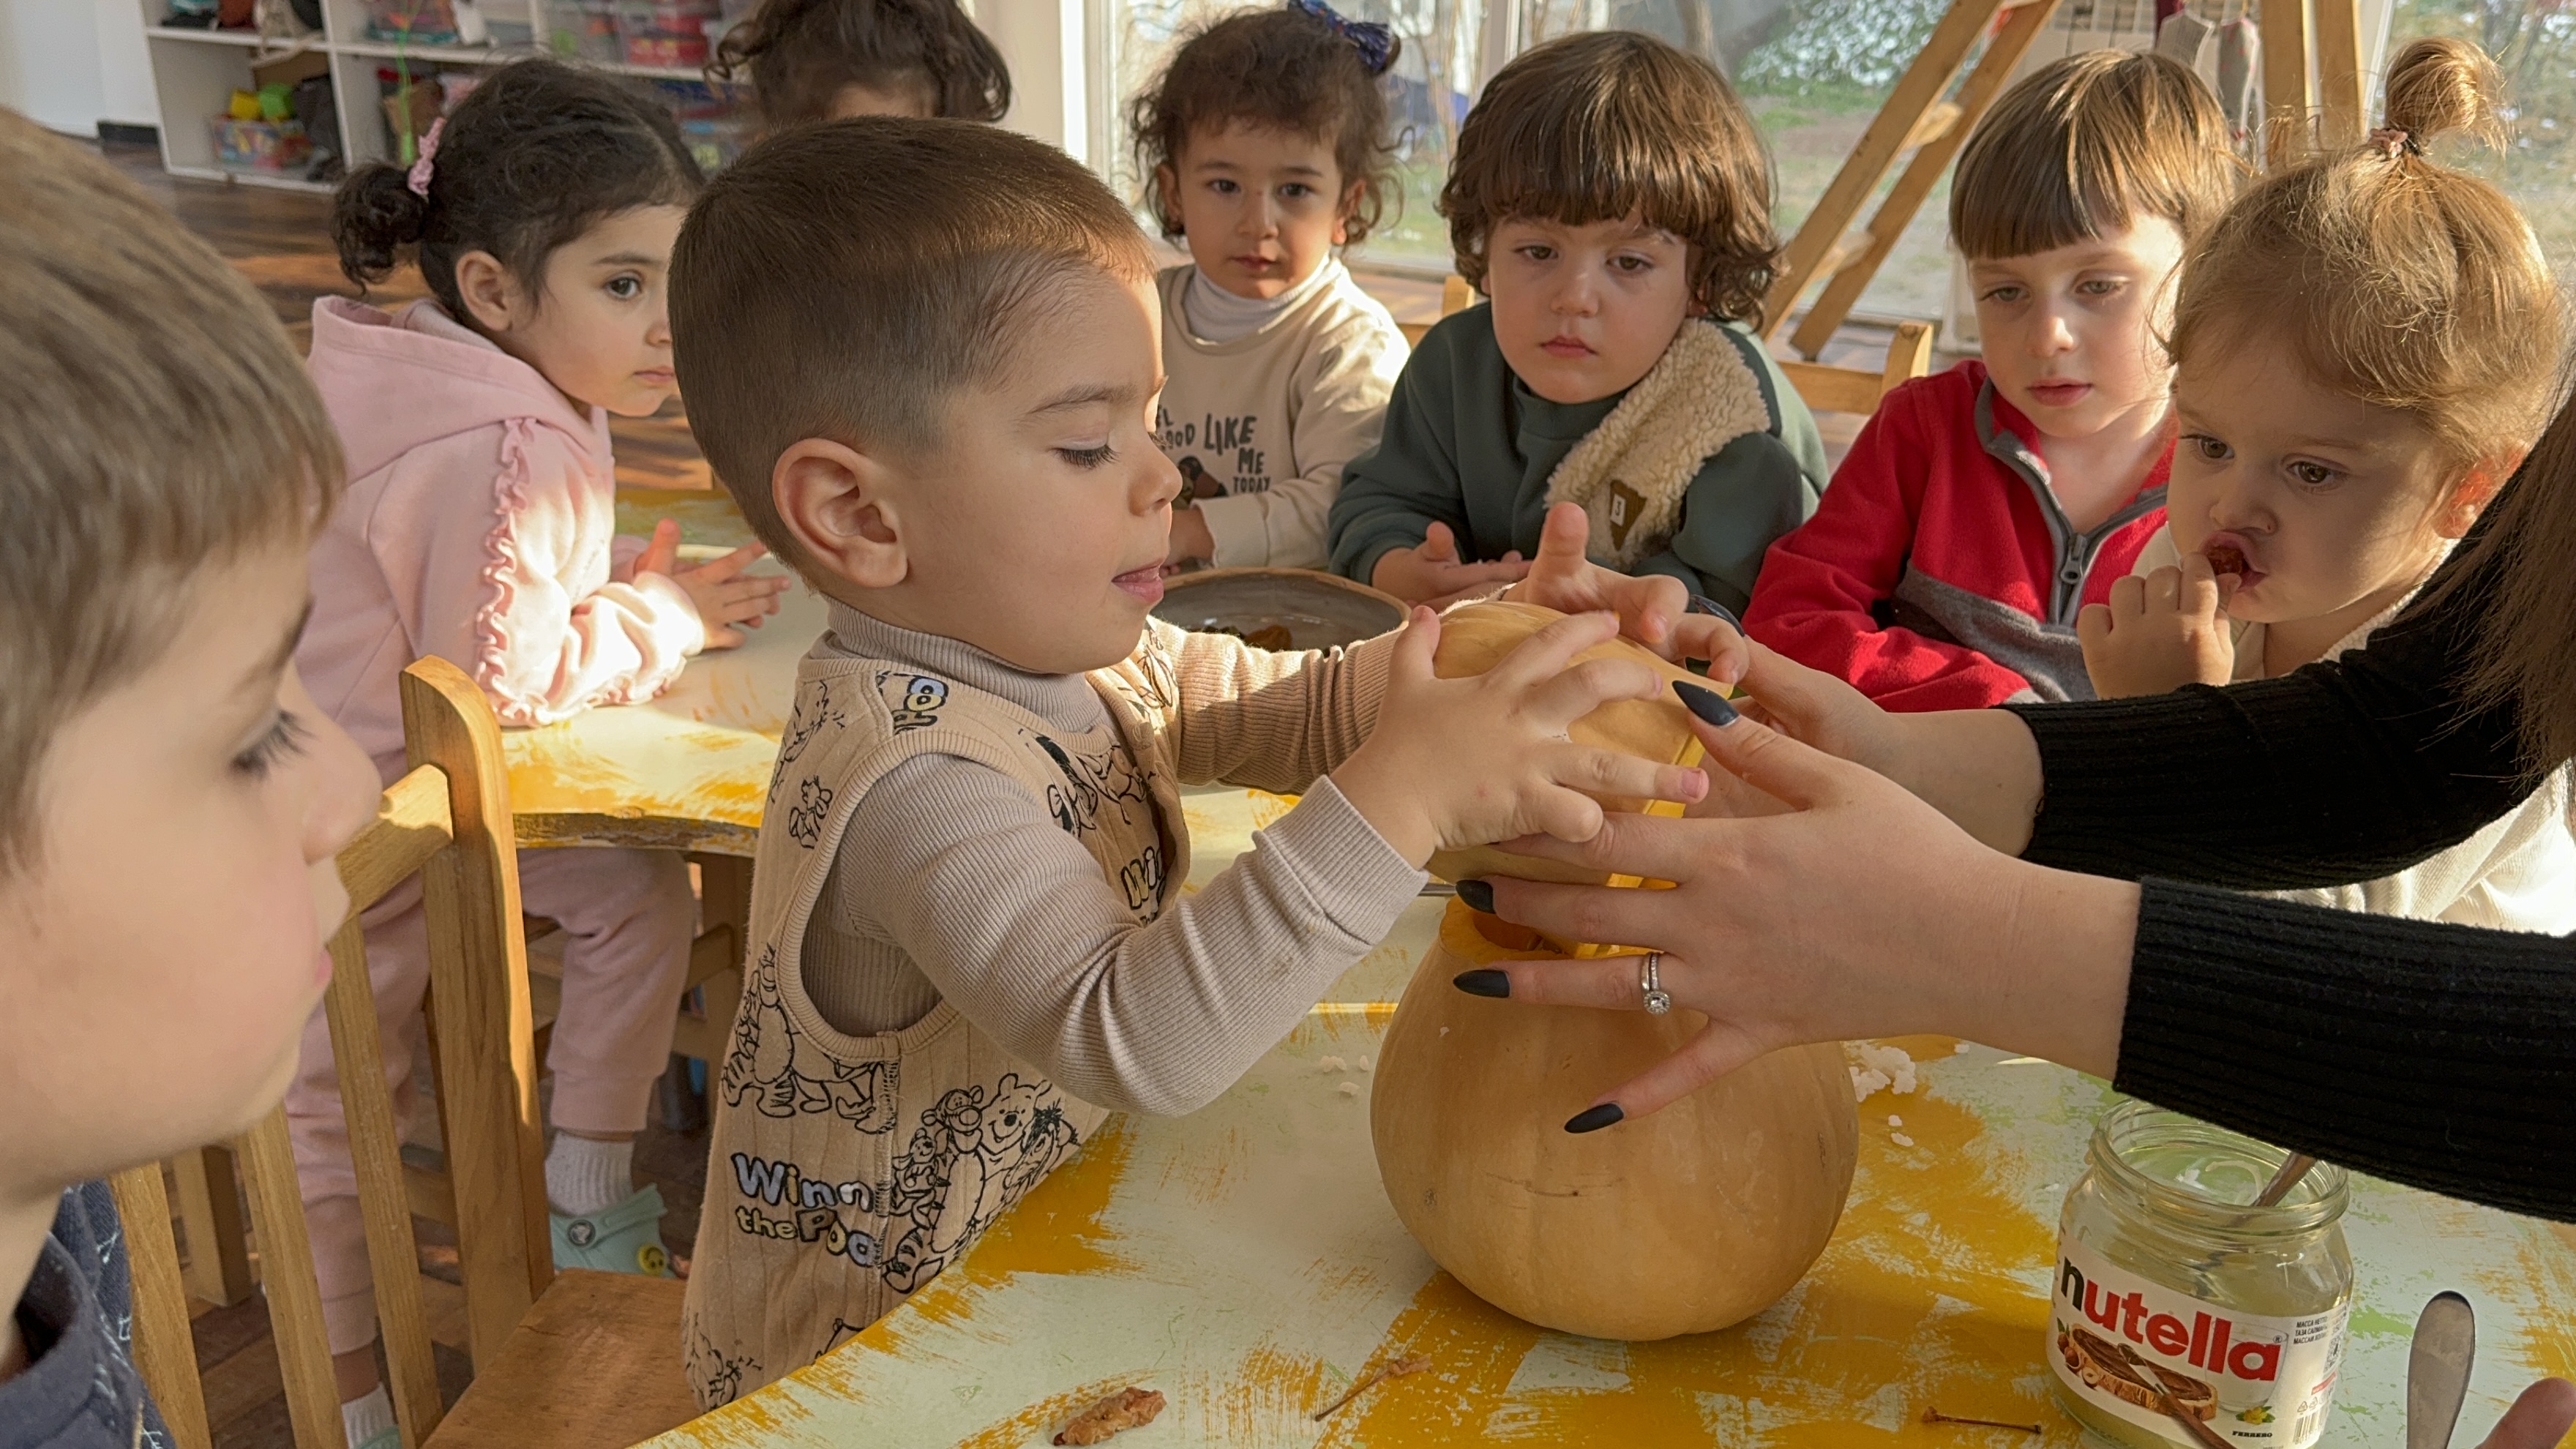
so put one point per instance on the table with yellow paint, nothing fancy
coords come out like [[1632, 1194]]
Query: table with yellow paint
[[1244, 1261]]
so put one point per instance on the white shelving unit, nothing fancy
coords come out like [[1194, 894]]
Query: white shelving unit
[[195, 72]]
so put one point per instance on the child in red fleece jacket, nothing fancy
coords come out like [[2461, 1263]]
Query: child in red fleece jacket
[[1982, 508]]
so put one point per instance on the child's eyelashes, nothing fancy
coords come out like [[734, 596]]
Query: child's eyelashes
[[626, 286], [2205, 447], [1089, 457], [2312, 477], [284, 738]]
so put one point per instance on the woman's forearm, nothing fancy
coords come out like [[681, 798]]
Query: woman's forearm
[[1980, 767]]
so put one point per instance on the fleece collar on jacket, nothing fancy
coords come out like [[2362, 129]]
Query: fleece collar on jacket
[[395, 381], [1633, 472]]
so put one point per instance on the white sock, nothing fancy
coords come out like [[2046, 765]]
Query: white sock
[[364, 1418], [586, 1177]]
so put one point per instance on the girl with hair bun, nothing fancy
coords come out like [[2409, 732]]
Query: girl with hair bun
[[479, 526], [2365, 348]]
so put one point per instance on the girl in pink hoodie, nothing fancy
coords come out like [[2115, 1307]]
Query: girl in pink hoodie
[[479, 526]]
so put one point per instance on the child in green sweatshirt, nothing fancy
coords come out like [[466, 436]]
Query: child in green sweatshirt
[[1611, 198]]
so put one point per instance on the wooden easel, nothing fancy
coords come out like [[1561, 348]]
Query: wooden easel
[[1915, 118], [2338, 94]]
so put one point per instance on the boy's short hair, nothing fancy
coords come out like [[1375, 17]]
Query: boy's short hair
[[844, 280], [1600, 126], [2089, 144], [154, 419]]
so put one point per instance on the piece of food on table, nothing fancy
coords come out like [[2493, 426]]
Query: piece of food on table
[[1475, 639], [1129, 1408]]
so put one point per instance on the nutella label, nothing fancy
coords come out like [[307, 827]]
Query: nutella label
[[2155, 1358]]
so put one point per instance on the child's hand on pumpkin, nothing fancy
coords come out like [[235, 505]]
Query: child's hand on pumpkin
[[1653, 609], [1458, 762], [2160, 632], [1431, 573]]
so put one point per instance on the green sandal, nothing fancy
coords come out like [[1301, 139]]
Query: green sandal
[[625, 1239]]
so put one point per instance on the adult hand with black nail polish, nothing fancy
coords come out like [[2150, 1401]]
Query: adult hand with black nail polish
[[1854, 910]]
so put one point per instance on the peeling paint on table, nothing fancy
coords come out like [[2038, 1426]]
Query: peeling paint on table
[[1243, 1261]]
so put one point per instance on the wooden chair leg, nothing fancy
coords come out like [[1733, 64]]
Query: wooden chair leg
[[2342, 90], [376, 1154], [218, 1268], [164, 1344], [286, 1273], [2288, 104]]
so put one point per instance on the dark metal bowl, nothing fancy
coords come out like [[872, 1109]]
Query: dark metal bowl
[[1320, 611]]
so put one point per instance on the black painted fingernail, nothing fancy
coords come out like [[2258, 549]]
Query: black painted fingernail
[[1483, 983], [1593, 1119], [1479, 895], [1707, 703]]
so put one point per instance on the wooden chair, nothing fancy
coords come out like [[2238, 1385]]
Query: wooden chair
[[1829, 389], [1455, 297], [571, 1359], [2329, 107], [1915, 118]]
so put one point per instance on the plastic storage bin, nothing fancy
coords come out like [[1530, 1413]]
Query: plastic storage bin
[[269, 146], [584, 29]]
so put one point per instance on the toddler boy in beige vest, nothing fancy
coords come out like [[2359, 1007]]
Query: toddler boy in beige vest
[[924, 356]]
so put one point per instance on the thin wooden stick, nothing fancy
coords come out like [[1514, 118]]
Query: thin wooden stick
[[1935, 1416], [1395, 1370]]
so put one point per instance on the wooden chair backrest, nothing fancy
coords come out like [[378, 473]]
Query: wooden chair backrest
[[1455, 297], [1829, 389], [448, 820]]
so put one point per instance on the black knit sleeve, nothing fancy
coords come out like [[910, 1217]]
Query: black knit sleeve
[[2343, 771], [2438, 1056]]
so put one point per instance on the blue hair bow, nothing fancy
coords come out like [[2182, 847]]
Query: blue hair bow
[[1374, 42]]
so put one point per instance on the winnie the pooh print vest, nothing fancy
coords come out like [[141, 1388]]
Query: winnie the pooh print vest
[[845, 1172]]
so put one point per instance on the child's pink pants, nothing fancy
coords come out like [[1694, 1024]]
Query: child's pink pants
[[630, 918]]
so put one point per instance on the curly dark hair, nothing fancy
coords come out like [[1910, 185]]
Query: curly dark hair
[[1610, 124], [526, 163], [1286, 69], [797, 54]]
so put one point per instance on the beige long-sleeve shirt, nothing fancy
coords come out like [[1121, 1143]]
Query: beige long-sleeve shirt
[[1271, 417], [953, 882]]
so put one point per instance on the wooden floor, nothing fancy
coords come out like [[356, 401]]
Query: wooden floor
[[280, 240]]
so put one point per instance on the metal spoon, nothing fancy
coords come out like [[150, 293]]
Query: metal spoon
[[2437, 1370], [2293, 1167]]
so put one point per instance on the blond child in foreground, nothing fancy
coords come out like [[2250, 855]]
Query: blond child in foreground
[[170, 799], [968, 939], [2365, 348]]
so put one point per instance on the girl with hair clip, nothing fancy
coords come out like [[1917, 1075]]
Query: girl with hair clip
[[829, 60], [479, 526], [1266, 138], [2339, 434]]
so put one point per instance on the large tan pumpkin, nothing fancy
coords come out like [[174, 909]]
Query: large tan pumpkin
[[1474, 639], [1688, 1220], [1685, 1221]]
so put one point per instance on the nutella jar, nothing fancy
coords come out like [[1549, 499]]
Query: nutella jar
[[2182, 1314]]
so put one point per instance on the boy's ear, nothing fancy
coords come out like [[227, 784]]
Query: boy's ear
[[839, 505], [2474, 492], [489, 292], [1167, 197]]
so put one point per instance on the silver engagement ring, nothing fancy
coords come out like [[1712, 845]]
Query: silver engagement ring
[[1649, 980]]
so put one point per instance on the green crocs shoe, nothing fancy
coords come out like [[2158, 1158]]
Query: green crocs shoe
[[384, 1439], [625, 1239]]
